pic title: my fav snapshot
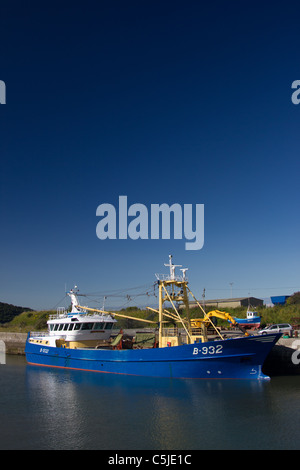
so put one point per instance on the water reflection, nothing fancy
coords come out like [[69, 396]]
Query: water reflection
[[45, 408], [87, 410], [56, 406], [205, 414]]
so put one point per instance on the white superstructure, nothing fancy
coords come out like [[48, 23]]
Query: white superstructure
[[76, 327]]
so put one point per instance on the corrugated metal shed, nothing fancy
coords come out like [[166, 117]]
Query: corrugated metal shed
[[233, 302]]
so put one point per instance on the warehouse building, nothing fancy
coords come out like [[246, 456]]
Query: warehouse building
[[234, 302]]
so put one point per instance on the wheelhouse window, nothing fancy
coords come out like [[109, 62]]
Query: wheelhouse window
[[108, 326], [98, 326], [87, 326]]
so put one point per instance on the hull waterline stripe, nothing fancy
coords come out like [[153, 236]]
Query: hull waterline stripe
[[149, 376]]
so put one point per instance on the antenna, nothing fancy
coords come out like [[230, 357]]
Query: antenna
[[172, 267], [183, 273]]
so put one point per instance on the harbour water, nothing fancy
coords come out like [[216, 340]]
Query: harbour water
[[43, 408]]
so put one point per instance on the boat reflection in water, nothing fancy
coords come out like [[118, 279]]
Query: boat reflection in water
[[83, 410]]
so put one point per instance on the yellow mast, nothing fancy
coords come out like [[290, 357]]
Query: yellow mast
[[160, 309], [178, 287]]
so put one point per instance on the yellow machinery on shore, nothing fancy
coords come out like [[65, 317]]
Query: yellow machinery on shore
[[203, 323]]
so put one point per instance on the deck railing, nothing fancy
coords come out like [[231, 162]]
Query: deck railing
[[167, 277], [34, 334], [170, 331]]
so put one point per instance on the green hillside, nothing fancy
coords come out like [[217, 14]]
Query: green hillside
[[8, 312], [28, 319]]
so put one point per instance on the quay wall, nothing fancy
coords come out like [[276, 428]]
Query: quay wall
[[283, 358], [14, 342]]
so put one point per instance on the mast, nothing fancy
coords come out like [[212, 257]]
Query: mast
[[173, 289], [74, 300], [160, 308], [172, 267]]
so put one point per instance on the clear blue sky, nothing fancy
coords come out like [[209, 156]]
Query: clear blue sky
[[162, 101]]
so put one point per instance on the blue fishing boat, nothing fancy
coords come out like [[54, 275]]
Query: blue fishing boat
[[252, 320], [84, 339]]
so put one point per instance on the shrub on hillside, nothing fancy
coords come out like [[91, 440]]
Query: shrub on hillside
[[294, 299]]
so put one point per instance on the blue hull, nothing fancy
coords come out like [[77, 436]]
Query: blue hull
[[248, 320], [235, 358], [255, 321]]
